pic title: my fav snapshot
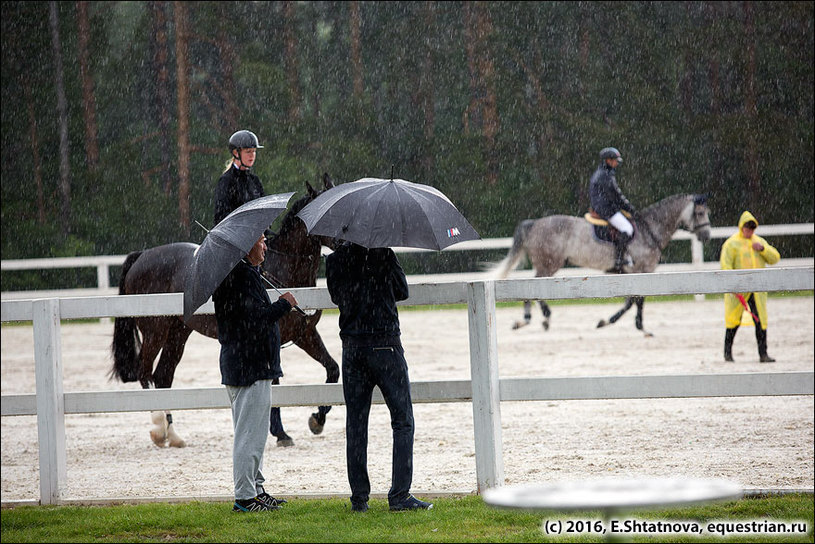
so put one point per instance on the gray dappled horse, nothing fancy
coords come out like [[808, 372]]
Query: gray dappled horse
[[292, 260], [554, 241]]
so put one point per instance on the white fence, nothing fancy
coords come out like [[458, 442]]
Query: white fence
[[484, 389], [104, 262]]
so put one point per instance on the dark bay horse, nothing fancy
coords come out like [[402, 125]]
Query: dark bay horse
[[554, 241], [292, 260]]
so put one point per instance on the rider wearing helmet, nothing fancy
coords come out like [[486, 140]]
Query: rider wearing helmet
[[608, 202], [238, 185]]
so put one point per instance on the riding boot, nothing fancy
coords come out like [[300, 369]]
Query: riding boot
[[729, 335], [620, 247], [761, 339]]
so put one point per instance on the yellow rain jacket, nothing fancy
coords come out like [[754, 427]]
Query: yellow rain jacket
[[738, 253]]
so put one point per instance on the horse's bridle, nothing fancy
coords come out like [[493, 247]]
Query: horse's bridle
[[277, 282]]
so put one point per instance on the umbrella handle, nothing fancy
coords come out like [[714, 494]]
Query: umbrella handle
[[300, 310]]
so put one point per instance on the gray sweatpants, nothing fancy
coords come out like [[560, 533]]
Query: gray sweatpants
[[250, 419]]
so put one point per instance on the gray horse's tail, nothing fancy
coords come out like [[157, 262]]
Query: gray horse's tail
[[126, 345], [516, 252]]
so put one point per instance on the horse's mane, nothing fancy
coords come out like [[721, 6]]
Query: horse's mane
[[666, 200], [290, 216]]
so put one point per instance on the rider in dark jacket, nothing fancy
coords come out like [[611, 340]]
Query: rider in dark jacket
[[608, 201], [238, 185]]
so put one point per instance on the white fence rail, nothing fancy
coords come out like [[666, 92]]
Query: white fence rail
[[104, 262], [484, 390]]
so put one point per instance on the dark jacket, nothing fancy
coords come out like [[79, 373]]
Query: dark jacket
[[247, 327], [606, 197], [236, 187], [366, 284]]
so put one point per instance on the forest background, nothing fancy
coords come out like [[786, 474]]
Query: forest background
[[116, 115]]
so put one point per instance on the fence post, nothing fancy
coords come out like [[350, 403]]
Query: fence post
[[489, 461], [50, 400], [697, 258]]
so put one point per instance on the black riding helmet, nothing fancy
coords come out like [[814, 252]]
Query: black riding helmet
[[243, 139], [610, 153]]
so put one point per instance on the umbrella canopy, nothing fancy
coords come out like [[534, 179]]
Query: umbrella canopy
[[375, 212], [226, 244]]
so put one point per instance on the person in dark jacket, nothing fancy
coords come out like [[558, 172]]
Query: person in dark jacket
[[237, 186], [608, 201], [249, 361], [365, 284]]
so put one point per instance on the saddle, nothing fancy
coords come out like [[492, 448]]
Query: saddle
[[603, 231]]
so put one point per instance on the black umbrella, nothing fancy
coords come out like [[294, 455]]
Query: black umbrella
[[226, 244], [375, 212]]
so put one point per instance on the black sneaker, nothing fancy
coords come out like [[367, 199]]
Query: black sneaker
[[252, 505], [271, 501], [411, 503]]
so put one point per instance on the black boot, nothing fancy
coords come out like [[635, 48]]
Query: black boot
[[620, 247], [729, 335], [761, 339]]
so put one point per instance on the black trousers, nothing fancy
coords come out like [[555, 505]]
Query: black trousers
[[761, 334], [362, 369]]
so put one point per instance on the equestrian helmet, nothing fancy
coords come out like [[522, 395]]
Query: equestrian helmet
[[243, 139], [610, 153]]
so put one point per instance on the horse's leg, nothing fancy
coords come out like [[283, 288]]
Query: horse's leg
[[311, 342], [638, 320], [276, 425], [613, 319], [527, 316], [153, 336], [546, 313], [165, 371]]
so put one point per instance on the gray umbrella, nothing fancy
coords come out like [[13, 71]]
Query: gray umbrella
[[375, 212], [226, 244]]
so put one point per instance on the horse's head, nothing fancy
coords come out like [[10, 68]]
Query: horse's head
[[293, 255], [697, 220]]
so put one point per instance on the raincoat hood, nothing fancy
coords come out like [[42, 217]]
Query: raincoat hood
[[745, 217]]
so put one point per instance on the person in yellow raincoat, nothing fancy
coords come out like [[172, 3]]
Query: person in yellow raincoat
[[745, 249]]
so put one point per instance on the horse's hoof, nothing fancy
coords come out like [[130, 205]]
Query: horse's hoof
[[173, 440], [519, 324], [284, 441], [314, 426], [545, 325], [601, 324], [158, 436]]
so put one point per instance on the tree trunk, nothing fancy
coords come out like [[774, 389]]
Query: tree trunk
[[478, 29], [35, 147], [751, 108], [229, 60], [62, 115], [356, 55], [158, 16], [180, 11], [471, 114], [428, 91], [88, 98], [290, 61]]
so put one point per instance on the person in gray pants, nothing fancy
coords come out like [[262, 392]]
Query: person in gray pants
[[249, 361]]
